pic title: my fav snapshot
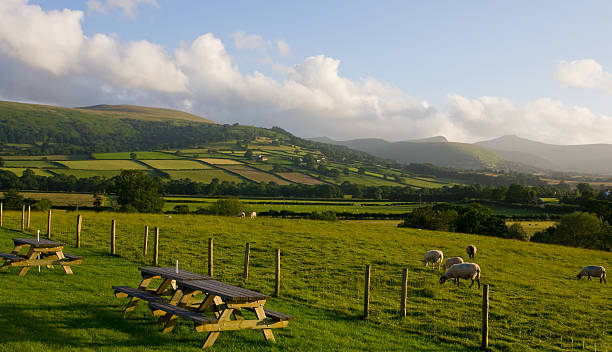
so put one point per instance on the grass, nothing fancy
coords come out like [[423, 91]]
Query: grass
[[104, 165], [139, 155], [39, 164], [176, 164], [217, 161], [19, 171], [299, 178], [535, 297], [531, 227], [87, 173], [254, 174], [203, 175]]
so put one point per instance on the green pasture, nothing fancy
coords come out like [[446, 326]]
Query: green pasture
[[536, 301], [531, 227], [19, 171], [139, 155], [176, 164], [87, 173], [38, 164], [205, 176], [104, 165]]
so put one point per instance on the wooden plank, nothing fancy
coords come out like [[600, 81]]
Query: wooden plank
[[49, 224], [277, 273], [485, 317], [112, 239], [210, 256], [170, 273], [261, 315], [366, 293], [404, 292], [146, 241], [247, 254], [277, 315], [78, 230], [156, 247], [265, 324], [225, 291], [40, 243]]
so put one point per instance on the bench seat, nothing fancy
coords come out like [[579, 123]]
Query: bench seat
[[276, 315], [12, 257], [127, 291], [181, 312]]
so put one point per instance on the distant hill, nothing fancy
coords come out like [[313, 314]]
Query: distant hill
[[586, 158], [434, 150]]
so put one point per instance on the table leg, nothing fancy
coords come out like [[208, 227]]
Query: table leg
[[212, 336], [134, 300], [162, 288], [259, 311], [60, 256], [177, 297], [31, 256], [18, 247]]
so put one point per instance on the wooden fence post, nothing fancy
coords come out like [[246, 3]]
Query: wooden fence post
[[78, 230], [247, 252], [366, 293], [22, 218], [210, 257], [1, 213], [28, 223], [156, 247], [146, 241], [404, 291], [49, 224], [112, 249], [277, 272], [485, 317]]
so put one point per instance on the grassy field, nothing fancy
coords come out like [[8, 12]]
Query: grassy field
[[536, 301], [203, 175], [62, 199], [217, 161], [19, 171], [254, 174], [532, 227], [176, 164], [104, 165], [300, 178], [87, 173], [139, 155], [40, 164]]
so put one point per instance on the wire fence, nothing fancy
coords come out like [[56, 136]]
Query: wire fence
[[316, 276]]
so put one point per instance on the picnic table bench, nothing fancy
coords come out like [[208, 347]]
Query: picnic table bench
[[169, 275], [228, 303], [41, 252]]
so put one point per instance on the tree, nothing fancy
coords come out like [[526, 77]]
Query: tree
[[1, 162], [248, 154], [133, 156], [520, 194], [516, 231], [578, 229], [137, 191], [12, 200], [226, 207]]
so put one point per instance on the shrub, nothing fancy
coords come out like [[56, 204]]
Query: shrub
[[516, 231], [42, 205], [327, 215], [229, 206], [181, 209]]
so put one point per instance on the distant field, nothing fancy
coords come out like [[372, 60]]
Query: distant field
[[300, 178], [366, 180], [139, 155], [41, 164], [255, 175], [419, 182], [216, 161], [19, 171], [104, 165], [62, 199], [532, 227], [205, 176], [45, 157], [176, 164], [87, 173]]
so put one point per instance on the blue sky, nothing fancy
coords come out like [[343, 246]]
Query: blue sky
[[349, 69]]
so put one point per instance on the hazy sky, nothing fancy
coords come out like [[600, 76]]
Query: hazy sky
[[398, 70]]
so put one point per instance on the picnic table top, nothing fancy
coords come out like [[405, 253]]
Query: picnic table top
[[169, 272], [226, 291], [40, 243]]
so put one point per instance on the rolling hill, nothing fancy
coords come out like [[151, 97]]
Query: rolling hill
[[586, 158]]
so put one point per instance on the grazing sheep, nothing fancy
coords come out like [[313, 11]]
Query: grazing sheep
[[595, 271], [434, 256], [462, 271], [253, 215], [241, 214], [451, 261], [471, 251]]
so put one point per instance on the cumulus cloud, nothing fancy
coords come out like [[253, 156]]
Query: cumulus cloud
[[56, 63], [128, 7], [284, 49], [586, 73]]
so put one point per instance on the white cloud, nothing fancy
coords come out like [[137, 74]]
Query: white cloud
[[284, 49], [127, 6], [55, 62], [586, 73], [244, 41]]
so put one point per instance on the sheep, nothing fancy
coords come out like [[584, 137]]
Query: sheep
[[451, 261], [462, 271], [595, 271], [434, 256], [253, 215], [241, 215], [471, 251]]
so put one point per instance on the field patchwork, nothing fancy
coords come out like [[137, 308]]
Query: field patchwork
[[300, 178], [176, 164], [217, 161], [254, 174], [104, 165], [205, 176]]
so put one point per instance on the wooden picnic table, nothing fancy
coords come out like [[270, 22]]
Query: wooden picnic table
[[228, 305], [169, 276], [41, 252]]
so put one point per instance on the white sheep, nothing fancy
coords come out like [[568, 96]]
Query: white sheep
[[434, 256], [241, 215], [468, 271], [471, 251], [451, 261], [595, 271], [253, 215]]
